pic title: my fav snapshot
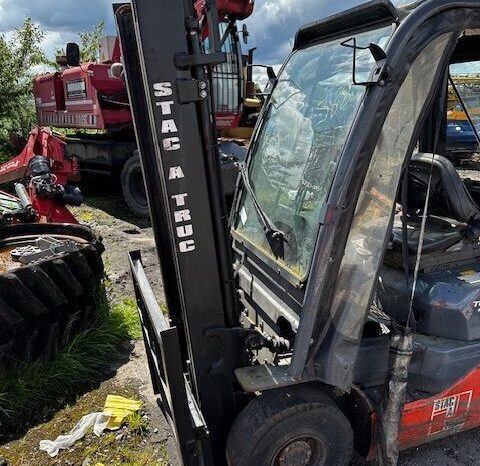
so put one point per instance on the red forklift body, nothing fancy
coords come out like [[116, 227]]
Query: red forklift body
[[454, 410]]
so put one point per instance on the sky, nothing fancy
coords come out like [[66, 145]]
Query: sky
[[272, 26]]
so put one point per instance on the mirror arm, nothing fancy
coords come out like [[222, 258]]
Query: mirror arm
[[381, 74]]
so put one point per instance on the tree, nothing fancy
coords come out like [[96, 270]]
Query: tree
[[89, 45], [19, 54], [89, 42]]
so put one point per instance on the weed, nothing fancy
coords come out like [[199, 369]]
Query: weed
[[146, 457], [128, 310], [86, 216], [137, 423], [164, 308]]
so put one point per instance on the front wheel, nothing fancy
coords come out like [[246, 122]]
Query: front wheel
[[290, 427]]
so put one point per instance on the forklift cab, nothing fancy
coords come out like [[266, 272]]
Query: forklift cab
[[349, 144], [343, 310]]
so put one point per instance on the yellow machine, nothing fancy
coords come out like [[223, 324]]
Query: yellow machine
[[469, 87]]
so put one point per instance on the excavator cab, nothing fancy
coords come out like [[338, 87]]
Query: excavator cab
[[339, 309]]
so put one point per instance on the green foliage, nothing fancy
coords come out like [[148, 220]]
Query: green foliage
[[29, 390], [128, 309], [89, 42], [19, 54]]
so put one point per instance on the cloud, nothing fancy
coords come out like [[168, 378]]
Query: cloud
[[272, 26], [275, 22], [60, 20], [54, 15]]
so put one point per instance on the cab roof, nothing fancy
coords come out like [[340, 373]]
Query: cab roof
[[364, 16]]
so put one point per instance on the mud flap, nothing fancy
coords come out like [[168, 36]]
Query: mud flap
[[393, 400], [169, 380]]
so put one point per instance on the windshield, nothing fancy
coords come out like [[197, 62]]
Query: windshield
[[294, 158]]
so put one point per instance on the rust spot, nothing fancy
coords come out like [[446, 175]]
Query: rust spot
[[6, 262]]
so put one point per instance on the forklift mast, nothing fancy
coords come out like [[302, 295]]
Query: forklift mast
[[169, 82]]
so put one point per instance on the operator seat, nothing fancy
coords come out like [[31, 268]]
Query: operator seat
[[453, 214]]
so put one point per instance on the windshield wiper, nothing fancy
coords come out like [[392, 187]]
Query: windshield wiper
[[275, 237]]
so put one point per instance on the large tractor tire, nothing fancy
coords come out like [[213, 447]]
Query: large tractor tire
[[44, 304], [133, 187]]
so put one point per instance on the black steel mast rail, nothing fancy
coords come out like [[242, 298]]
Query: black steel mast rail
[[168, 87]]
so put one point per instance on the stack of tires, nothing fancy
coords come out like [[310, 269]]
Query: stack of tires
[[43, 305]]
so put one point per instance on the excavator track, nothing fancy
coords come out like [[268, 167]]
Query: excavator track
[[46, 302]]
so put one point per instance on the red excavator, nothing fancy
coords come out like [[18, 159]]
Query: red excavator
[[91, 101]]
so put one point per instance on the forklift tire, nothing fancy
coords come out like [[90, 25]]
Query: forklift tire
[[43, 305], [290, 427], [133, 187]]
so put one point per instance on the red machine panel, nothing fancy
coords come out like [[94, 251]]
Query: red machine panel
[[455, 410], [86, 96], [48, 91], [234, 9]]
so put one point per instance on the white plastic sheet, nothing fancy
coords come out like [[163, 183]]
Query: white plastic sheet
[[98, 421]]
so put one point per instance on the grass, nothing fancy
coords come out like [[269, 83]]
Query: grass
[[147, 457], [86, 216], [124, 447], [137, 423], [128, 310], [29, 391]]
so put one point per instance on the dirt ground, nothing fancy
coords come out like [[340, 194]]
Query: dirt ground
[[153, 445]]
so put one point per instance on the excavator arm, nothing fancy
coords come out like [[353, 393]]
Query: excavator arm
[[44, 168]]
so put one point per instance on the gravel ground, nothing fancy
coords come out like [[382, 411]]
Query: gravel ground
[[122, 233]]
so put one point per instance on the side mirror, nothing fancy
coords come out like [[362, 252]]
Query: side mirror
[[73, 54]]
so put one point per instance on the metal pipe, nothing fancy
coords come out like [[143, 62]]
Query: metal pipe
[[23, 196]]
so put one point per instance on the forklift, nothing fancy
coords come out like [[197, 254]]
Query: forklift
[[338, 308]]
